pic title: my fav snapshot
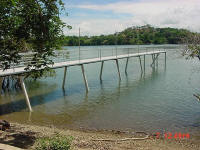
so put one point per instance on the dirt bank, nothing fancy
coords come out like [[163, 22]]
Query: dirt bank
[[24, 136]]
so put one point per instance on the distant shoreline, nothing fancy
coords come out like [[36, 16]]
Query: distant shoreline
[[132, 36], [124, 45]]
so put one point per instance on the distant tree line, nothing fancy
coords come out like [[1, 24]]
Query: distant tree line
[[131, 36]]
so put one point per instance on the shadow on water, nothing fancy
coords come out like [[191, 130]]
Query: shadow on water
[[20, 105]]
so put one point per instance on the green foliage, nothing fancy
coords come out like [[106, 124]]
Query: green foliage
[[133, 35], [56, 142], [43, 73], [192, 46], [30, 25]]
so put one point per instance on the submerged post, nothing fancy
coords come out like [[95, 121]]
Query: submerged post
[[1, 79], [25, 93], [140, 64], [101, 70], [157, 60], [117, 63], [64, 78], [165, 58], [126, 65], [153, 60], [85, 79], [144, 63]]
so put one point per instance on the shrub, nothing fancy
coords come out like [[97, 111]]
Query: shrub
[[56, 142]]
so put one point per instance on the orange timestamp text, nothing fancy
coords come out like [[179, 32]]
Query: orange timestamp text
[[169, 135]]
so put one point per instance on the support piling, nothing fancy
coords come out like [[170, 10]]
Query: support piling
[[25, 93], [154, 58], [140, 64], [144, 63], [102, 63], [117, 63], [85, 79], [64, 78], [126, 65]]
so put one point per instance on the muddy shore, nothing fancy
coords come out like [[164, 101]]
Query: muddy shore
[[24, 136]]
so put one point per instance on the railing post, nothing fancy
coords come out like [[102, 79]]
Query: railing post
[[25, 93], [100, 53], [116, 52], [128, 52], [98, 56], [79, 45]]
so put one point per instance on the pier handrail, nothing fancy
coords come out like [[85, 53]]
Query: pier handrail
[[73, 54]]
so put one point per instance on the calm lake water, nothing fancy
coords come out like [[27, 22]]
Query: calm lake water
[[159, 101]]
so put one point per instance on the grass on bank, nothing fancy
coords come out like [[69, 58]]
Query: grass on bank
[[56, 142]]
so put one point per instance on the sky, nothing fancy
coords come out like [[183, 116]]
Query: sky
[[96, 17]]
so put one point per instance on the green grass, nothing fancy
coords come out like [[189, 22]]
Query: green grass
[[56, 142]]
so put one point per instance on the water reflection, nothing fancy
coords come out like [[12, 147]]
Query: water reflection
[[105, 96]]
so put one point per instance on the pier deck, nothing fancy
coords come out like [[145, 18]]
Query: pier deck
[[20, 70]]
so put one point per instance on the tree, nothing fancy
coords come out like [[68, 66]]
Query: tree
[[192, 46], [30, 25], [192, 49]]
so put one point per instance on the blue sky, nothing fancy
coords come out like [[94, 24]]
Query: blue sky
[[96, 17]]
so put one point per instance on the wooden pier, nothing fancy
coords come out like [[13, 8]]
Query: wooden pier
[[20, 70]]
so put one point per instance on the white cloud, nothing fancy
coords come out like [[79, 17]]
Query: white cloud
[[160, 13], [95, 26]]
